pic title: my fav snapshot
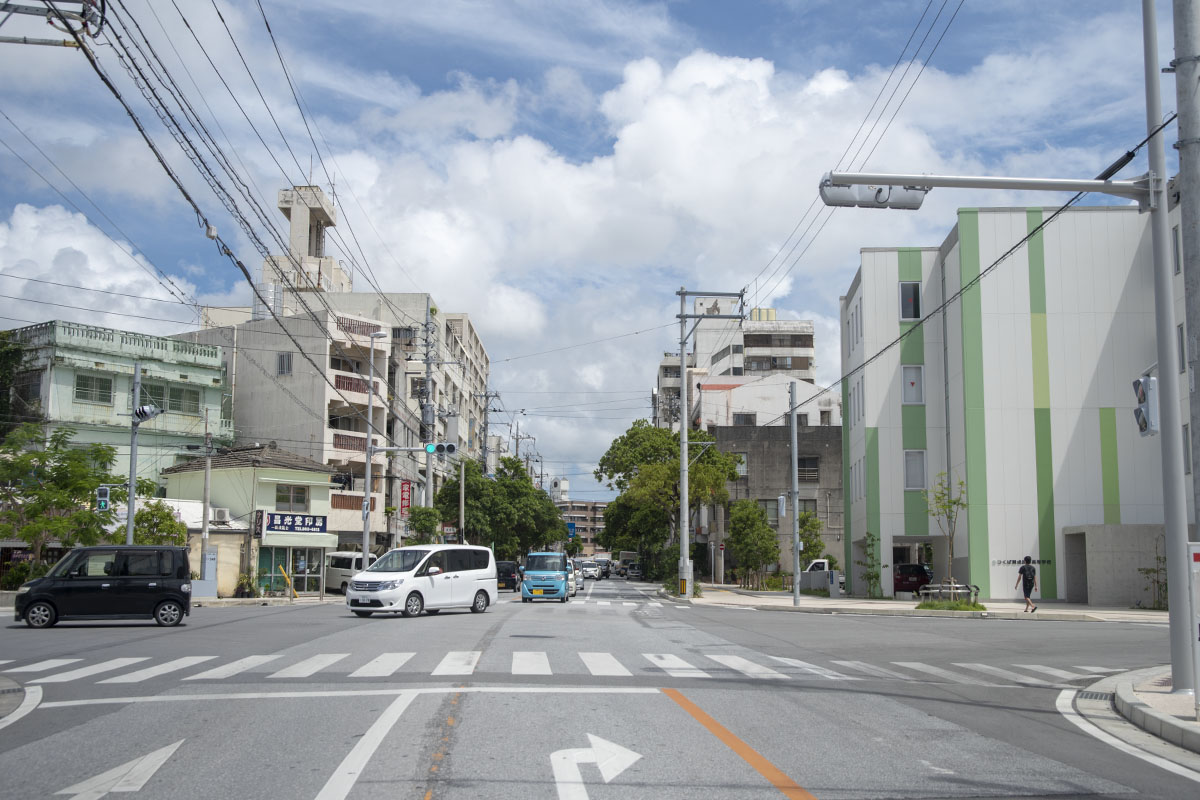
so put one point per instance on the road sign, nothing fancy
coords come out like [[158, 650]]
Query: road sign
[[721, 546], [570, 530], [609, 757]]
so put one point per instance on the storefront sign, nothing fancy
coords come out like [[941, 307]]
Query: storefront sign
[[405, 497], [294, 523]]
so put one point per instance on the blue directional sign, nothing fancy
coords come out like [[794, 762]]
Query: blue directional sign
[[570, 530]]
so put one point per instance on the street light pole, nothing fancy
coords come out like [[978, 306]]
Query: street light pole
[[366, 507], [130, 505], [795, 459]]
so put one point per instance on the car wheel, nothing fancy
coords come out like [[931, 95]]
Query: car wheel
[[363, 613], [526, 599], [40, 615], [168, 613], [564, 599], [433, 611], [343, 587], [481, 603], [413, 605]]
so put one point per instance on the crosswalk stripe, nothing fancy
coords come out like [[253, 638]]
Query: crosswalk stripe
[[655, 604], [42, 666], [603, 664], [309, 666], [161, 669], [604, 602], [95, 669], [529, 662], [938, 672], [232, 668], [675, 666], [459, 662], [5, 661], [748, 667], [1056, 673], [382, 665], [1098, 670], [873, 670], [628, 604], [814, 669], [1009, 675]]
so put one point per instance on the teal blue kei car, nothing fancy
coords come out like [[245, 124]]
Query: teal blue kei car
[[545, 578]]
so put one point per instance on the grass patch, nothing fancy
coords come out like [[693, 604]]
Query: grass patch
[[950, 605], [815, 592]]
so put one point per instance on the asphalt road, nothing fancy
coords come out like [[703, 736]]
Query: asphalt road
[[615, 695]]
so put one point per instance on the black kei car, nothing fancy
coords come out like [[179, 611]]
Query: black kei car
[[507, 575], [110, 582]]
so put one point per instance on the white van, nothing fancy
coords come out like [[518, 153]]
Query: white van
[[341, 567], [425, 577]]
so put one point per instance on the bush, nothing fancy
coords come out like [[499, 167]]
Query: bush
[[950, 605], [20, 572]]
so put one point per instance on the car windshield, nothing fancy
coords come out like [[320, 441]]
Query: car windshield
[[546, 563], [590, 564], [398, 561]]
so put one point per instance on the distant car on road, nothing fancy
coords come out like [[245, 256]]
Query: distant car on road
[[591, 569], [633, 572], [573, 579], [507, 575], [605, 566], [910, 577]]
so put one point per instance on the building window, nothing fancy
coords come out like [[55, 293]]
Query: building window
[[291, 498], [738, 370], [344, 364], [808, 469], [910, 300], [802, 420], [1187, 450], [283, 363], [27, 392], [93, 389], [914, 385], [183, 400], [1176, 248], [416, 388], [1179, 340], [826, 417], [806, 506], [914, 470], [744, 419], [772, 508], [741, 468]]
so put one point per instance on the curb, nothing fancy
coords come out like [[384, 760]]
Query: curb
[[1154, 722]]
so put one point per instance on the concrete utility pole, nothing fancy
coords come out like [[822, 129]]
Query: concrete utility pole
[[205, 511], [131, 504], [370, 451], [428, 419], [487, 396], [462, 499], [795, 459]]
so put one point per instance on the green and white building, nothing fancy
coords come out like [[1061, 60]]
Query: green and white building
[[1022, 389]]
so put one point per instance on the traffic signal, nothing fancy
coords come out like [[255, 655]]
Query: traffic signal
[[870, 195], [102, 498], [146, 413], [1145, 389], [441, 448]]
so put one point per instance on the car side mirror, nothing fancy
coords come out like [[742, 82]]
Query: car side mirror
[[435, 571]]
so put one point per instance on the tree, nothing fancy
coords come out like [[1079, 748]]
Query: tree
[[641, 444], [810, 537], [944, 504], [478, 499], [751, 538], [423, 521], [572, 547], [47, 487], [872, 568], [12, 356], [523, 511], [155, 523]]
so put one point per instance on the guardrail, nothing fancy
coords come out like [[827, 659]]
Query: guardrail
[[949, 591]]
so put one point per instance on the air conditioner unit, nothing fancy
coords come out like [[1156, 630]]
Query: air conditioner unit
[[220, 515]]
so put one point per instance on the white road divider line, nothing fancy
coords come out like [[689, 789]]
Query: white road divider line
[[42, 666], [344, 777], [33, 696], [748, 667], [161, 669], [309, 666], [1061, 674], [1009, 675], [232, 668], [675, 666], [1099, 670], [603, 664], [94, 669], [604, 602], [458, 662], [873, 670], [382, 666], [814, 669], [529, 662], [944, 674]]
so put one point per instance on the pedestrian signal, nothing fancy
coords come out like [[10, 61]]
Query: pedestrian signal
[[102, 498], [1145, 390]]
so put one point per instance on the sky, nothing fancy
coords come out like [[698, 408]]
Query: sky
[[556, 170]]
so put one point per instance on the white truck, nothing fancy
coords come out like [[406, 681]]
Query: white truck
[[823, 565]]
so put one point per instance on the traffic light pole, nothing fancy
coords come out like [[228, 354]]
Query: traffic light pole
[[131, 503]]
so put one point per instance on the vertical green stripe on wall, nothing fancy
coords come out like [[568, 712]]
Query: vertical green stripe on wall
[[872, 469], [847, 499], [1110, 475], [916, 514], [912, 346], [909, 264], [974, 430], [912, 427], [1042, 433]]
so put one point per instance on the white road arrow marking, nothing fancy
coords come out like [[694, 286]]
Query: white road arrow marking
[[611, 758], [129, 777]]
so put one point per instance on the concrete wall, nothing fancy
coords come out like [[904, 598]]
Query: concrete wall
[[1113, 554]]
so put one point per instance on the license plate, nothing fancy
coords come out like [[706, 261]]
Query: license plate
[[535, 591]]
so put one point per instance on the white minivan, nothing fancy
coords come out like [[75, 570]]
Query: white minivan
[[341, 567], [425, 577]]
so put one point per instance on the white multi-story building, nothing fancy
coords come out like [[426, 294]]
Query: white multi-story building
[[1021, 389], [761, 401]]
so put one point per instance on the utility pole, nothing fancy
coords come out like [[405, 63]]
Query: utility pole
[[487, 396], [462, 499], [131, 504], [795, 459], [207, 500], [428, 420], [370, 452]]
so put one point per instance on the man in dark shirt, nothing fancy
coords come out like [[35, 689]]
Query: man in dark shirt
[[1027, 579]]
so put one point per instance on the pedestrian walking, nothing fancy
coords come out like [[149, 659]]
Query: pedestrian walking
[[1027, 580]]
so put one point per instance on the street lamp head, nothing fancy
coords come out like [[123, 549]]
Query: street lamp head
[[379, 335]]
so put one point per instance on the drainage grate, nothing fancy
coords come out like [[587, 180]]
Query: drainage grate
[[1107, 696], [12, 690]]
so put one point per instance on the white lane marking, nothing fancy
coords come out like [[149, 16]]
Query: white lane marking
[[309, 666], [33, 696], [939, 770], [1061, 674], [232, 668], [748, 667], [675, 666], [944, 674], [873, 670], [603, 664], [129, 777], [604, 602], [161, 669], [655, 604], [94, 669], [814, 669], [1099, 670], [1066, 706], [529, 662], [6, 660], [344, 777], [458, 662], [1009, 675], [382, 666], [42, 666], [628, 604]]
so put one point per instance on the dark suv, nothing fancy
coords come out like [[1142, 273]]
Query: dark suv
[[910, 577], [507, 575], [110, 582]]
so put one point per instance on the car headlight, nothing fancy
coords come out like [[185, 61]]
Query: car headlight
[[561, 576], [23, 588], [386, 585]]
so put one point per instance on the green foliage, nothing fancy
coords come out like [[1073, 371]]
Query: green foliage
[[751, 539], [950, 605], [572, 547], [47, 486], [155, 523], [945, 503], [12, 356], [478, 499], [20, 572], [872, 569], [641, 444], [422, 522], [810, 537]]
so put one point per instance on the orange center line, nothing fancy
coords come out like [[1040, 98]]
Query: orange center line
[[772, 773]]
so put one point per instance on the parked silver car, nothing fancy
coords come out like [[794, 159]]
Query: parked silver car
[[633, 572]]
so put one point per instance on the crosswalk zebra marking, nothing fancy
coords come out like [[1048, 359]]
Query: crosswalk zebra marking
[[944, 674], [748, 667], [382, 665], [1009, 675], [1061, 674], [604, 602], [873, 670], [530, 662], [160, 669], [821, 672], [309, 666], [94, 669], [458, 662], [604, 664], [42, 666], [675, 666], [232, 668], [1098, 670]]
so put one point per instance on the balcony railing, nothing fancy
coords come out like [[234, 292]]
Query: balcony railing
[[343, 441], [348, 502], [347, 383]]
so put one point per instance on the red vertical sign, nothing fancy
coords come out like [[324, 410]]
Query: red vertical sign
[[405, 497]]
